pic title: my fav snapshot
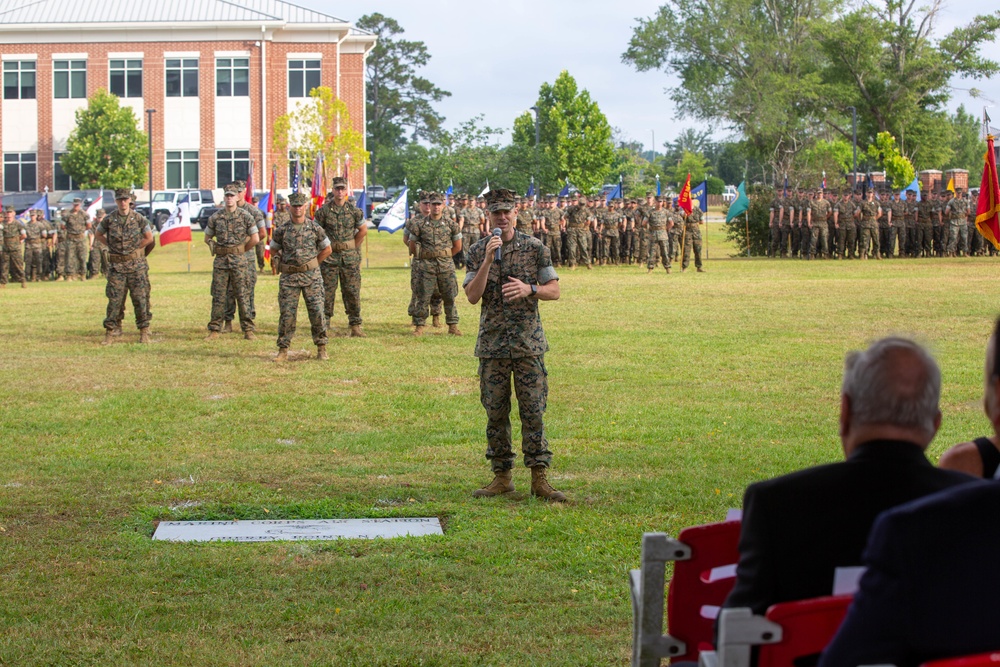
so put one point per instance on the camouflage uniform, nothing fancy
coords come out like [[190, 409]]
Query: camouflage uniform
[[231, 232], [11, 256], [511, 342], [78, 248], [869, 211], [609, 235], [775, 215], [553, 234], [847, 234], [298, 245], [642, 233], [578, 233], [33, 247], [659, 238], [341, 224], [525, 218], [976, 240], [472, 222], [940, 231], [897, 232], [128, 272], [819, 239], [437, 303], [957, 212], [250, 275], [433, 268], [925, 227], [692, 238]]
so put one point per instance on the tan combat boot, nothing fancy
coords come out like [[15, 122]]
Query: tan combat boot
[[108, 337], [418, 330], [356, 331], [282, 355], [144, 335], [227, 327], [701, 270], [500, 485], [436, 321], [453, 330], [212, 335], [249, 335], [321, 354], [541, 488], [117, 331]]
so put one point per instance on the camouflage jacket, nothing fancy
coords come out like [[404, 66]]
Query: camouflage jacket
[[76, 223], [926, 212], [612, 223], [35, 230], [231, 230], [281, 217], [524, 219], [957, 210], [577, 217], [552, 217], [820, 209], [260, 220], [13, 232], [434, 239], [868, 210], [341, 223], [298, 244], [472, 219], [511, 330], [659, 220], [898, 209], [124, 234]]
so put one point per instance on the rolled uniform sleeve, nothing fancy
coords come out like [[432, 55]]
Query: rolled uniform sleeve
[[545, 271], [474, 260]]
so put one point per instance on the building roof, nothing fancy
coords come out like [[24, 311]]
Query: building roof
[[55, 12]]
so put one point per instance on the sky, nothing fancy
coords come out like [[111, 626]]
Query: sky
[[494, 56]]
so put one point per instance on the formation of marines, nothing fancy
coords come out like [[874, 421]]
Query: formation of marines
[[846, 225]]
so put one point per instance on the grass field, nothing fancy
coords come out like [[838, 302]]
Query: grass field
[[668, 395]]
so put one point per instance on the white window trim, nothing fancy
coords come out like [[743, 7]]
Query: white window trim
[[232, 54], [180, 54], [70, 56], [125, 56], [304, 56], [19, 56]]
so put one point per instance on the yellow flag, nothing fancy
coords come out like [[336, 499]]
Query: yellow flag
[[951, 185]]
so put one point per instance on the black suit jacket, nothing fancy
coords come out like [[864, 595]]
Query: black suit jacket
[[797, 529], [932, 588]]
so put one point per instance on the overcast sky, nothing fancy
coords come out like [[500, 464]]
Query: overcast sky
[[493, 56]]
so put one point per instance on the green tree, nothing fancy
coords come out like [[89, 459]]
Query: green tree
[[106, 148], [756, 220], [967, 145], [689, 163], [573, 133], [898, 169], [824, 159], [320, 125]]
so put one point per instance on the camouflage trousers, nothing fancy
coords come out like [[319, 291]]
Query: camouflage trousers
[[578, 239], [343, 268], [11, 264], [940, 238], [642, 246], [120, 284], [62, 256], [469, 239], [796, 240], [610, 248], [310, 286], [975, 239], [78, 252], [531, 386], [436, 300], [819, 240], [785, 240], [868, 240], [958, 237], [259, 252], [775, 244], [428, 280], [628, 246], [692, 242], [553, 240], [232, 283], [250, 287], [897, 235], [847, 238], [33, 268], [659, 249], [922, 241]]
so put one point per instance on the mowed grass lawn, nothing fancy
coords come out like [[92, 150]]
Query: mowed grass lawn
[[668, 395]]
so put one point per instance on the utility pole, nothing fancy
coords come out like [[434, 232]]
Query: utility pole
[[149, 131]]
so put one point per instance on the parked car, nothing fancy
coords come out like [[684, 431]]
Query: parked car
[[108, 202], [376, 193], [165, 203]]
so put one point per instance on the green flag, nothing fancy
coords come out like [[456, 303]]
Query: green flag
[[740, 204]]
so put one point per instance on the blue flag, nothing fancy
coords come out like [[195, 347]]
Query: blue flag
[[448, 193], [295, 177], [565, 191], [362, 203], [657, 186], [614, 194], [42, 204], [262, 204], [531, 190], [700, 192], [784, 192], [740, 204], [912, 187], [395, 218]]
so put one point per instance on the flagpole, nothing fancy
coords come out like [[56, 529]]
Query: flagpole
[[189, 256], [747, 216]]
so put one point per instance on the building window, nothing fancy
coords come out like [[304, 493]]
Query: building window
[[69, 79], [231, 166], [232, 77], [63, 181], [19, 80], [182, 170], [182, 77], [303, 76], [19, 172], [126, 78]]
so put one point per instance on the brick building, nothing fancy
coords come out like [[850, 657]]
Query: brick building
[[216, 73]]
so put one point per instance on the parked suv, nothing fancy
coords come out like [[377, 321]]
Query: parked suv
[[165, 203], [88, 196]]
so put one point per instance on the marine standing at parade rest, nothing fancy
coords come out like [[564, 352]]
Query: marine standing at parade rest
[[551, 227], [34, 245], [511, 343], [345, 226], [78, 250], [281, 216], [658, 225], [434, 240], [819, 231], [231, 234], [11, 255], [692, 237], [472, 223], [897, 226], [869, 211], [250, 276], [957, 210], [298, 246], [578, 219], [423, 210], [127, 235]]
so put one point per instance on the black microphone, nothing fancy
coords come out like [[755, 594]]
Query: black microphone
[[496, 258]]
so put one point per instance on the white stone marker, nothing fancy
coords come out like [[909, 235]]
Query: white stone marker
[[294, 529]]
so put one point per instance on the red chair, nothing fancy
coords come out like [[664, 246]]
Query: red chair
[[704, 572], [789, 634], [980, 660]]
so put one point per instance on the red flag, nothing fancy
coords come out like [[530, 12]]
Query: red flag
[[248, 195], [270, 211], [988, 210], [684, 198], [318, 193]]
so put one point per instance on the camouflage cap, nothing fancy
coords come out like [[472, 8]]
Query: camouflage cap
[[240, 185], [280, 198], [231, 189], [433, 198], [123, 193], [8, 209], [100, 213], [501, 200], [338, 182], [77, 200], [298, 199]]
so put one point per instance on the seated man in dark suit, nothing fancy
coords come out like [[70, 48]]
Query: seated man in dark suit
[[930, 590], [797, 529]]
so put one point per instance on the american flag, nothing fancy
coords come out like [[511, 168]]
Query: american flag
[[295, 176]]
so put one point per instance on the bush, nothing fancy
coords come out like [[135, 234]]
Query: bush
[[761, 197]]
